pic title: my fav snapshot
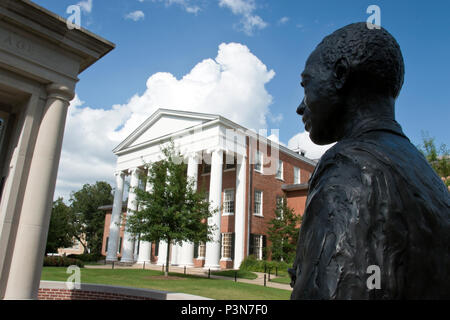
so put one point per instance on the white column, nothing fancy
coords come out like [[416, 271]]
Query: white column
[[215, 196], [162, 253], [114, 226], [145, 247], [239, 215], [29, 247], [187, 250], [175, 254], [128, 242]]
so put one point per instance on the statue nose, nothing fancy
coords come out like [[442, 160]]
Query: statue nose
[[301, 108]]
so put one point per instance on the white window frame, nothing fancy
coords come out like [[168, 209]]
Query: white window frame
[[259, 160], [260, 205], [222, 247], [280, 166], [224, 213], [259, 249], [299, 179]]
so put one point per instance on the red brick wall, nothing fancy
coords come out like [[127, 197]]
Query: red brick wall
[[66, 294]]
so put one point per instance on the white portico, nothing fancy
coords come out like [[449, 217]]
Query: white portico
[[201, 138]]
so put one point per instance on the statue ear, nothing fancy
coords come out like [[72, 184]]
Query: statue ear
[[341, 72]]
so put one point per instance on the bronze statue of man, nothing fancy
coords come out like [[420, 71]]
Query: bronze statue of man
[[374, 203]]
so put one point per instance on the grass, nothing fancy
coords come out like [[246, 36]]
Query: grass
[[243, 274], [151, 279], [283, 280]]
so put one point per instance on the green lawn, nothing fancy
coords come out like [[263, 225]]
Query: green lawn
[[150, 279], [243, 274], [284, 280]]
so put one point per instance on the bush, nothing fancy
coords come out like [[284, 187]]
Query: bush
[[252, 264], [62, 262], [86, 257]]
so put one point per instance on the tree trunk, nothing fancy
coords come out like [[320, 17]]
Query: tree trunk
[[166, 271]]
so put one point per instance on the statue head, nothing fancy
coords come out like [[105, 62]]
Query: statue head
[[349, 74]]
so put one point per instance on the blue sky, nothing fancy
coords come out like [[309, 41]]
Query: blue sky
[[174, 36]]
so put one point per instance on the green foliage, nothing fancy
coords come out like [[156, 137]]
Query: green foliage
[[86, 257], [439, 158], [88, 220], [172, 211], [59, 232], [283, 233], [252, 264], [56, 261]]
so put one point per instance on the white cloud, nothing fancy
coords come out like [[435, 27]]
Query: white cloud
[[86, 5], [135, 15], [245, 8], [187, 5], [303, 142], [283, 20], [232, 85]]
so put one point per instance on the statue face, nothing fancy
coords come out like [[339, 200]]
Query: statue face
[[320, 106]]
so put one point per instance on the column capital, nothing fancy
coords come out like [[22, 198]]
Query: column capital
[[61, 92], [120, 173], [134, 170]]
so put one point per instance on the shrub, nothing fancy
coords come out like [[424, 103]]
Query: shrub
[[62, 262], [86, 257], [252, 264]]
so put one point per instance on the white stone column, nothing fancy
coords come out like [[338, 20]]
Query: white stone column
[[145, 247], [187, 250], [175, 254], [114, 226], [128, 242], [29, 248], [215, 196], [162, 253], [239, 215]]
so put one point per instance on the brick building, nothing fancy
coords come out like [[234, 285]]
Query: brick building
[[243, 173]]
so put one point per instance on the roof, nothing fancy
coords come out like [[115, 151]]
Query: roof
[[40, 21], [295, 187], [204, 118]]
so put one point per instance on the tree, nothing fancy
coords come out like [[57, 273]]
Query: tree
[[439, 159], [172, 211], [88, 220], [59, 232], [283, 232]]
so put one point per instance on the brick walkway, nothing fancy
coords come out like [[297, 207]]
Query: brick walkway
[[199, 272]]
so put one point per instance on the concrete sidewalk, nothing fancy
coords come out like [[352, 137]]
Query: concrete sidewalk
[[198, 272]]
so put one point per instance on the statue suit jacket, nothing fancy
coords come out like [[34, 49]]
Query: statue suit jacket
[[374, 200]]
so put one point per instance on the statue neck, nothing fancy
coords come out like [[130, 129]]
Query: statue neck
[[363, 110]]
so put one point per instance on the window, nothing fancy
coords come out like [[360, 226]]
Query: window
[[279, 206], [258, 161], [199, 250], [107, 242], [230, 162], [227, 246], [279, 174], [257, 246], [120, 245], [228, 202], [296, 175], [156, 248], [206, 168], [257, 210]]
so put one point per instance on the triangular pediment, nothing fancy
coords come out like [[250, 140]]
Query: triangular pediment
[[162, 123]]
